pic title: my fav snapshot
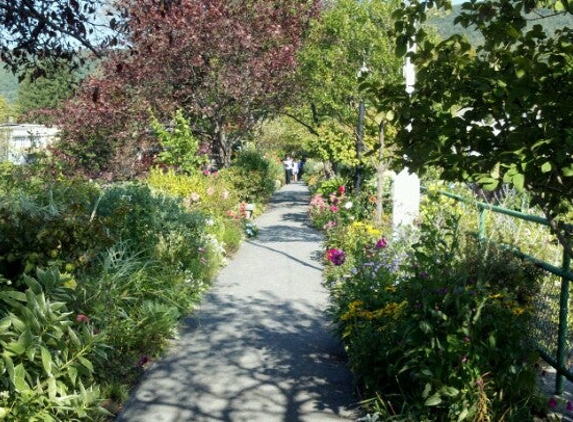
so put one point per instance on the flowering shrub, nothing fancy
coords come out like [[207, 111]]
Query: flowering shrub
[[436, 326]]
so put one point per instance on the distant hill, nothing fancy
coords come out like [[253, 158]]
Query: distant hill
[[444, 23], [8, 85]]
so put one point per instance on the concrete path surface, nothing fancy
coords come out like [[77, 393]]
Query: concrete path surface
[[259, 348]]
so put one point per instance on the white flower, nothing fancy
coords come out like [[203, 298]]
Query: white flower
[[348, 205], [210, 222]]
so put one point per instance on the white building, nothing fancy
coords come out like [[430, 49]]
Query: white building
[[19, 141]]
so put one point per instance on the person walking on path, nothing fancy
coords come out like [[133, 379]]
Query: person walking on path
[[288, 164], [295, 170], [260, 347]]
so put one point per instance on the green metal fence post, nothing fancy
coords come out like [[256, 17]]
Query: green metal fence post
[[562, 335]]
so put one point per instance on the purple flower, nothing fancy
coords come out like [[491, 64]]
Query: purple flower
[[336, 256], [142, 361], [382, 243], [552, 403], [569, 406]]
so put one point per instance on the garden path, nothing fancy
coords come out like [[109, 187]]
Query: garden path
[[259, 348]]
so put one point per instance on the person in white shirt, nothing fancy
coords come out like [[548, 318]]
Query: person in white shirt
[[288, 165], [295, 171]]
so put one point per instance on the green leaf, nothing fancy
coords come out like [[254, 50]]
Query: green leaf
[[46, 360], [518, 181], [86, 363], [19, 378], [52, 387], [425, 327], [5, 324], [464, 414], [567, 171], [546, 167], [72, 374], [559, 7], [74, 338], [427, 389], [433, 400], [13, 294]]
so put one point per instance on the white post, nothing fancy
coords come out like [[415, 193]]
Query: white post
[[406, 190], [405, 200]]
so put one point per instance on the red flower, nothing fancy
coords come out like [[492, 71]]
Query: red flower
[[82, 318], [341, 189]]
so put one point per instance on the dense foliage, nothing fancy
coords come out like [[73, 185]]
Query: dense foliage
[[94, 278], [436, 325], [497, 113], [226, 65]]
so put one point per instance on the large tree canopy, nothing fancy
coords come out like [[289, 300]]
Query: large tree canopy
[[502, 112], [349, 36], [226, 64], [32, 30]]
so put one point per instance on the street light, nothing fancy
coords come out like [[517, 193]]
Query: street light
[[360, 133]]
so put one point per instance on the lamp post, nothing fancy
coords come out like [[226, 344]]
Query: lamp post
[[360, 134]]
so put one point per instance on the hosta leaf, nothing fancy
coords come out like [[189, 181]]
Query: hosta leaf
[[5, 324], [13, 294]]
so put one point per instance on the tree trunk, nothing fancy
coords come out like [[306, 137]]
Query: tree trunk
[[221, 150], [381, 168]]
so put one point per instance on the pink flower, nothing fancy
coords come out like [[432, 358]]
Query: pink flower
[[552, 403], [329, 225], [341, 189], [334, 208], [206, 172], [382, 243], [82, 318]]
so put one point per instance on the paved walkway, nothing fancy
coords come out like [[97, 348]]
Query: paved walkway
[[259, 348]]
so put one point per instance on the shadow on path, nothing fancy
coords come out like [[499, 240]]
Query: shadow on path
[[260, 347]]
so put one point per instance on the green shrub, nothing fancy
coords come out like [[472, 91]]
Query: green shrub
[[253, 176], [51, 226], [48, 354], [179, 146]]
